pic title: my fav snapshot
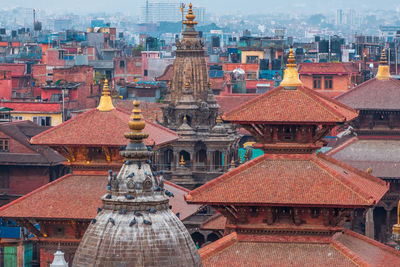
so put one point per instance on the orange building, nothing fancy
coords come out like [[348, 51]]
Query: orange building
[[331, 79]]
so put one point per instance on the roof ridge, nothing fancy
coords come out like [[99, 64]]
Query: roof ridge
[[339, 177], [176, 186], [218, 246], [224, 176], [32, 141], [315, 95], [355, 170], [342, 146], [348, 253], [372, 242], [34, 192]]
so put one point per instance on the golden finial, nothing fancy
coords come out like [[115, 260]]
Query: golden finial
[[190, 17], [105, 99], [291, 76], [369, 171], [136, 124], [218, 120], [383, 69], [182, 161]]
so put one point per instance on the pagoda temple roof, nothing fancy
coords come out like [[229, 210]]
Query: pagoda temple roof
[[292, 180], [100, 128], [343, 249], [379, 155], [374, 94], [291, 106], [63, 198]]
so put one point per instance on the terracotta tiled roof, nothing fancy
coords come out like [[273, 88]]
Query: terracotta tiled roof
[[344, 249], [302, 105], [215, 222], [22, 131], [380, 155], [373, 94], [246, 253], [94, 128], [63, 198], [33, 106], [327, 68], [292, 179], [229, 102]]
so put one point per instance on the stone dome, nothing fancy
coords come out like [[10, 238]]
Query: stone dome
[[135, 226]]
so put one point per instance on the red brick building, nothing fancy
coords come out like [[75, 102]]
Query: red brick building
[[292, 206], [331, 79], [18, 157]]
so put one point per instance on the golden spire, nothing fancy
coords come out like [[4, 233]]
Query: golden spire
[[219, 119], [105, 100], [291, 76], [136, 124], [383, 69], [190, 17], [182, 162]]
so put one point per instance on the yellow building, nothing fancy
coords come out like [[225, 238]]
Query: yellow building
[[251, 55], [42, 113]]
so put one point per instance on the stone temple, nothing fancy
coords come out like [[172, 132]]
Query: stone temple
[[135, 226], [206, 146]]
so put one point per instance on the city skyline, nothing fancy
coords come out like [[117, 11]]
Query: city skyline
[[217, 7]]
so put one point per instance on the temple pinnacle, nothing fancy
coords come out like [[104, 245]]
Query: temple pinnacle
[[190, 17], [105, 100], [136, 124], [291, 76], [383, 69]]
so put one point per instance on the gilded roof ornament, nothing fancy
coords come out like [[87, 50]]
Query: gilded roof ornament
[[383, 69], [136, 124], [105, 99], [291, 76], [190, 17]]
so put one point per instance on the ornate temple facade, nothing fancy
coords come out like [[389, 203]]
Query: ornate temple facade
[[206, 146], [292, 206], [58, 213], [374, 144], [135, 226]]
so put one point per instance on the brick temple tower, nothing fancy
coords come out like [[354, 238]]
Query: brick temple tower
[[205, 147], [135, 226]]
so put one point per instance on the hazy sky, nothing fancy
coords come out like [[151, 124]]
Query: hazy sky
[[212, 6]]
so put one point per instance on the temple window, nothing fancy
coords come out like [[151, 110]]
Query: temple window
[[328, 82], [317, 82]]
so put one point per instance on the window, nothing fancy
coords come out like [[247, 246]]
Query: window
[[4, 116], [61, 54], [4, 177], [122, 64], [4, 145], [328, 82], [317, 82], [42, 120], [17, 118], [145, 73], [251, 76], [252, 59]]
